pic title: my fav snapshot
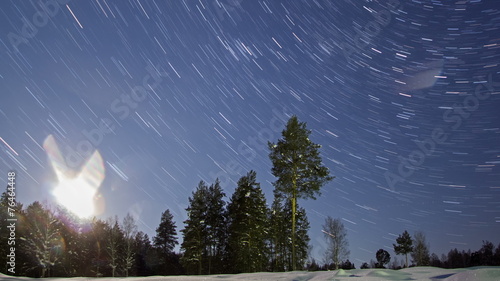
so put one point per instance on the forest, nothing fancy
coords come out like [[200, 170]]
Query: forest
[[222, 234]]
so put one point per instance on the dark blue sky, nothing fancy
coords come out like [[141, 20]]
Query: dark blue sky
[[403, 96]]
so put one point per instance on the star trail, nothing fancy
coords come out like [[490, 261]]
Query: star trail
[[403, 96]]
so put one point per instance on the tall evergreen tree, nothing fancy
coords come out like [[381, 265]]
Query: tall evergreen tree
[[165, 240], [281, 236], [486, 253], [302, 239], [496, 256], [404, 245], [73, 252], [195, 231], [297, 165], [216, 229], [420, 254], [337, 244], [142, 246], [43, 240], [247, 219], [278, 233], [95, 240], [166, 234]]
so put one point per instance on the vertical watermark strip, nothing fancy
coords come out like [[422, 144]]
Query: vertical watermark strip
[[11, 222]]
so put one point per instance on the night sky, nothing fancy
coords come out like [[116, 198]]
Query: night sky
[[402, 96]]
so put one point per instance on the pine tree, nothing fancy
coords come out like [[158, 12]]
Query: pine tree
[[420, 254], [297, 165], [281, 236], [42, 241], [278, 233], [143, 247], [247, 219], [302, 239], [95, 240], [195, 231], [496, 256], [486, 253], [166, 233], [347, 264], [165, 239], [404, 245], [216, 229], [71, 261], [337, 244]]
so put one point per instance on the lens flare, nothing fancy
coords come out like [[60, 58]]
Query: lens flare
[[75, 191]]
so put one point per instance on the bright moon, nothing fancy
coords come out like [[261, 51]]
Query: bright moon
[[77, 196], [75, 191]]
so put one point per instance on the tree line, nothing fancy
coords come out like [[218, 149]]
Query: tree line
[[241, 234], [337, 253], [418, 249], [235, 234]]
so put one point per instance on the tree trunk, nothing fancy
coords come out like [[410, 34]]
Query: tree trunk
[[294, 210], [336, 254], [249, 264], [199, 265], [200, 257], [209, 260]]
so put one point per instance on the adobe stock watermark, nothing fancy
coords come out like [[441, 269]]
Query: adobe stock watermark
[[364, 37], [253, 144], [11, 222], [48, 9], [456, 115], [121, 109]]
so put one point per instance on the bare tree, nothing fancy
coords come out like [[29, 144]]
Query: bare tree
[[420, 254], [129, 231], [395, 264], [336, 238], [114, 244]]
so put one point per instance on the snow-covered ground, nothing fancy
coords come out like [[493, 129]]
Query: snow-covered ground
[[416, 273]]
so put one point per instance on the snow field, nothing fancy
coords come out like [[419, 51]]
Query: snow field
[[416, 273]]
